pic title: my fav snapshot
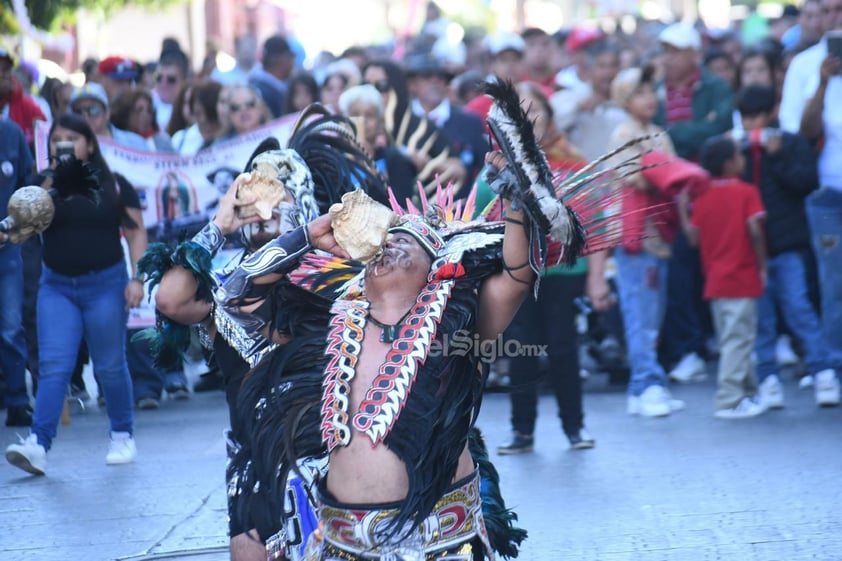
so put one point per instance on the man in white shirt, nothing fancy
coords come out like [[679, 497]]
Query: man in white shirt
[[810, 104]]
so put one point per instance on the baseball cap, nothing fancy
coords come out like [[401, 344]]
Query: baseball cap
[[119, 68], [581, 38], [681, 36], [91, 90], [505, 41]]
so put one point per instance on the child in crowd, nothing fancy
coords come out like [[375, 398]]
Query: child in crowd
[[784, 167], [729, 217], [642, 263]]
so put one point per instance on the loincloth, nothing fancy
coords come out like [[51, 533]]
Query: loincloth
[[455, 530]]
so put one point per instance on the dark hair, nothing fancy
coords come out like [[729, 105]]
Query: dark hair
[[79, 125], [397, 82], [206, 94], [716, 152], [177, 120], [754, 100], [123, 105], [532, 33], [715, 53], [600, 47], [274, 48], [354, 51], [768, 57], [305, 80], [177, 58], [50, 91], [532, 89]]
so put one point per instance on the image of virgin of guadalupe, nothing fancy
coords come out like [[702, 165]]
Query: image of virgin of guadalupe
[[175, 198]]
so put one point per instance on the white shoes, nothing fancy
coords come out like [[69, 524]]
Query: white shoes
[[747, 407], [770, 394], [28, 455], [691, 368], [122, 449], [784, 355], [655, 401], [826, 386]]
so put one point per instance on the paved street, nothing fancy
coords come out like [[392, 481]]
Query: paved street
[[685, 488]]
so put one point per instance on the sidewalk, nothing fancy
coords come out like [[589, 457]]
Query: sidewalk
[[685, 488]]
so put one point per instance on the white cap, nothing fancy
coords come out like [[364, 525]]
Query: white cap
[[681, 36], [504, 41]]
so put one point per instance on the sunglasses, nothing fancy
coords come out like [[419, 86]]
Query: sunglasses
[[236, 107], [171, 80], [381, 86], [92, 111]]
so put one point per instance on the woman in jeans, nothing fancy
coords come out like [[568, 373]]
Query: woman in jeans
[[85, 292]]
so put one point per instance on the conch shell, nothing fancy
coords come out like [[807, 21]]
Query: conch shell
[[361, 224], [31, 211], [262, 184]]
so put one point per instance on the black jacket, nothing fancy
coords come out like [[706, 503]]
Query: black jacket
[[786, 178]]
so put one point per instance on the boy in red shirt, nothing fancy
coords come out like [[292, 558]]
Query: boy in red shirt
[[729, 217]]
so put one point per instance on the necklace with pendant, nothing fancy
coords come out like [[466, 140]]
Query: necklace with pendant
[[388, 333]]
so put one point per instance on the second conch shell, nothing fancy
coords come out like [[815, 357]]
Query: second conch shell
[[361, 224], [265, 188]]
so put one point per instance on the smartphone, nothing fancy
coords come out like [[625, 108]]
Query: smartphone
[[834, 43], [65, 150]]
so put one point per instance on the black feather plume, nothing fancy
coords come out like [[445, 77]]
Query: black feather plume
[[72, 176]]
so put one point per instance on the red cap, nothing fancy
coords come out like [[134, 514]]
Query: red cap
[[119, 68], [581, 37]]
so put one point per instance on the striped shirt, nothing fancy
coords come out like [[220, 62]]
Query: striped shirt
[[680, 100]]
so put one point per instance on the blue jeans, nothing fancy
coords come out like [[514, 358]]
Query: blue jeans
[[93, 306], [824, 212], [12, 341], [787, 285], [641, 281], [683, 329], [149, 380]]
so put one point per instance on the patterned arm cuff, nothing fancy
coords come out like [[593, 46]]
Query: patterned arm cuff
[[277, 257], [210, 238]]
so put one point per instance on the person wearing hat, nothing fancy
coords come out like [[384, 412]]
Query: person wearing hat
[[14, 103], [694, 105], [575, 76], [428, 83], [91, 102], [117, 75]]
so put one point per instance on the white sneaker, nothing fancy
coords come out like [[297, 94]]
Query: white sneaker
[[770, 394], [655, 401], [747, 407], [28, 455], [690, 369], [121, 450], [784, 355], [826, 385]]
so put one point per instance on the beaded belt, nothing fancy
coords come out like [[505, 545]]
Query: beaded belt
[[447, 533]]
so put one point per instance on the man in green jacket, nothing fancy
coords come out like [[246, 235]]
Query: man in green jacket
[[693, 106]]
